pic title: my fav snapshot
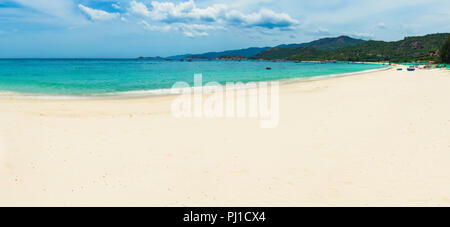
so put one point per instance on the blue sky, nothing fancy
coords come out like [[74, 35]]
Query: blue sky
[[131, 28]]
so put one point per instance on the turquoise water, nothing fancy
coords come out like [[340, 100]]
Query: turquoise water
[[96, 77]]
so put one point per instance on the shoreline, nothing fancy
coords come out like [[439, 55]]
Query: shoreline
[[139, 94], [332, 76]]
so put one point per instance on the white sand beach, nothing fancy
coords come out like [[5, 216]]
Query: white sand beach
[[373, 139]]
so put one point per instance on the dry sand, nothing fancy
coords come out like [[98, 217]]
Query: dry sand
[[374, 139]]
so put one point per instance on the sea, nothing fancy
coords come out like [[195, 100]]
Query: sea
[[131, 77]]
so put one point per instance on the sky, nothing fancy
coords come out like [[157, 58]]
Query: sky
[[133, 28]]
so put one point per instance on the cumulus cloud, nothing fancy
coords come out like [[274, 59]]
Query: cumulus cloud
[[173, 13], [139, 8], [184, 12], [264, 18], [189, 30], [96, 14]]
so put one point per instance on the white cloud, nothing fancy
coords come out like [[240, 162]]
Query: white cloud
[[212, 13], [184, 12], [264, 18], [167, 11], [320, 31], [115, 6], [381, 25], [51, 12], [61, 8], [323, 31], [159, 28], [139, 8], [361, 35], [195, 30], [96, 14], [189, 30]]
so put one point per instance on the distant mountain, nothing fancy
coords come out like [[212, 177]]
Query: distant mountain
[[409, 49], [347, 49], [327, 43], [342, 48], [308, 50], [301, 53], [248, 52], [291, 45], [321, 44], [334, 43]]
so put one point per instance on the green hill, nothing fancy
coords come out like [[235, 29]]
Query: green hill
[[291, 53], [321, 44], [313, 50], [327, 43], [445, 52], [408, 49], [334, 43]]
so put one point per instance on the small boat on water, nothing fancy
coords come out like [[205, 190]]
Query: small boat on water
[[268, 68], [399, 69]]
